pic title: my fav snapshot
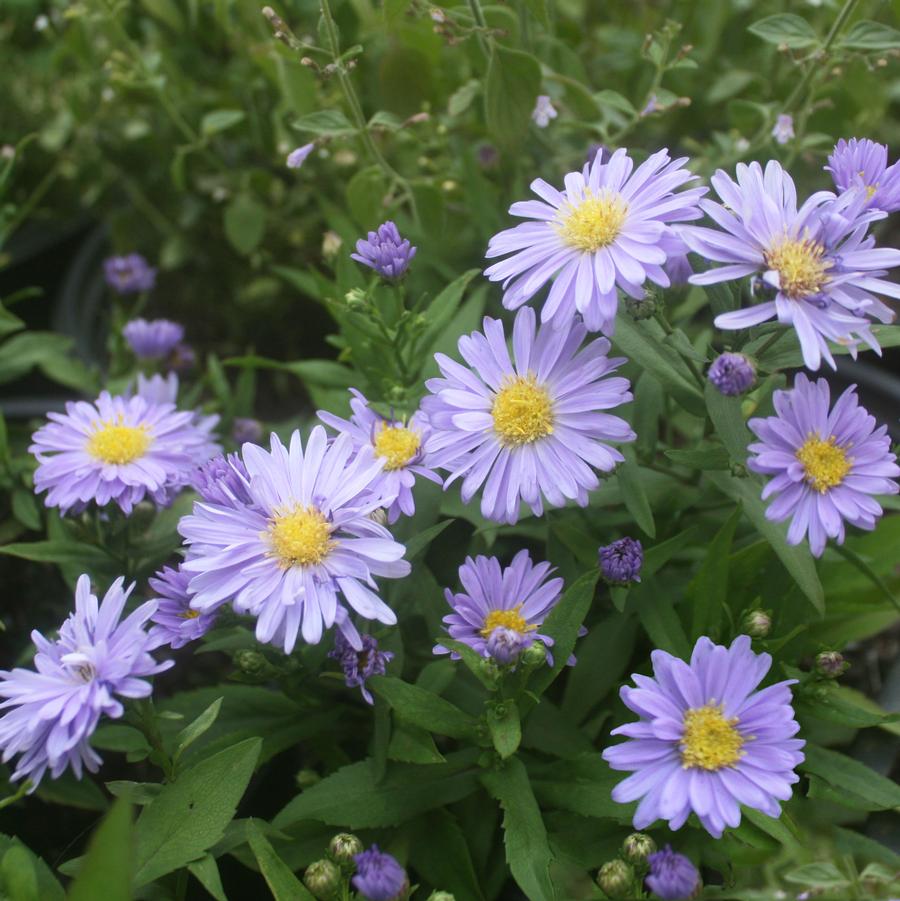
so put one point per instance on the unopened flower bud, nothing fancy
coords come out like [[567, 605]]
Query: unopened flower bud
[[441, 896], [306, 778], [356, 299], [343, 848], [251, 662], [616, 878], [534, 655], [732, 374], [331, 244], [621, 561], [757, 623], [638, 847], [323, 879], [641, 309], [831, 664], [489, 669]]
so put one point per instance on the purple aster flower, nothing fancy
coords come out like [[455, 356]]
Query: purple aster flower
[[360, 664], [296, 158], [506, 645], [52, 711], [515, 599], [244, 429], [732, 374], [783, 130], [543, 111], [672, 875], [817, 259], [130, 274], [863, 164], [824, 465], [224, 481], [707, 741], [621, 561], [154, 339], [529, 430], [678, 267], [306, 538], [400, 446], [175, 622], [609, 227], [116, 449], [651, 106], [379, 877], [385, 252]]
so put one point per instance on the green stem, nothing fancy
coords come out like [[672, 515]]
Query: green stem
[[667, 328], [149, 726], [481, 25], [20, 792], [854, 558], [769, 344]]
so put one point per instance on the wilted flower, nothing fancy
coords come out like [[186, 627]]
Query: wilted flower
[[672, 876], [175, 622], [609, 227], [385, 251], [360, 664], [531, 429], [379, 877], [52, 712], [154, 339], [296, 158], [543, 111], [621, 561], [817, 258], [783, 130], [863, 164], [825, 465], [516, 599], [707, 741], [399, 445], [732, 374], [305, 538], [130, 274]]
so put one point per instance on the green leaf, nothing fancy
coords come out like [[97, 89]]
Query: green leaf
[[524, 834], [782, 829], [582, 785], [440, 853], [206, 872], [331, 122], [659, 619], [787, 29], [616, 101], [365, 196], [194, 730], [511, 89], [60, 551], [106, 870], [725, 413], [405, 791], [538, 8], [283, 884], [443, 308], [220, 120], [867, 35], [827, 701], [712, 457], [461, 99], [410, 744], [818, 875], [71, 792], [38, 875], [419, 543], [189, 816], [852, 783], [470, 658], [707, 592], [633, 493], [423, 708], [797, 559], [245, 223], [505, 727]]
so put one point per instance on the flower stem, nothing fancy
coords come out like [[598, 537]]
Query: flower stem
[[481, 25]]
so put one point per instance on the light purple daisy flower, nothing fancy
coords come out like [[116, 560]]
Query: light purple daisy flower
[[517, 598], [817, 260], [154, 339], [824, 465], [861, 163], [385, 251], [609, 227], [175, 622], [707, 741], [529, 430], [400, 446], [116, 449], [130, 274], [379, 876], [296, 158], [360, 664], [224, 481], [306, 538], [52, 712]]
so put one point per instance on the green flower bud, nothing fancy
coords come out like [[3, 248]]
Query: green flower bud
[[489, 669], [638, 847], [323, 879], [757, 623], [343, 848], [831, 664], [616, 878], [641, 309], [306, 778], [252, 663], [356, 299], [441, 896], [534, 655]]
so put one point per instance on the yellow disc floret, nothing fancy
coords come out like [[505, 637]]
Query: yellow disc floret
[[801, 270], [190, 613], [114, 442], [506, 619], [397, 444], [593, 222], [522, 411], [300, 536], [826, 465], [710, 741]]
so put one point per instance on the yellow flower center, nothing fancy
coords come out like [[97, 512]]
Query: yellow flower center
[[117, 443], [507, 619], [870, 191], [397, 444], [593, 222], [800, 267], [522, 411], [710, 741], [190, 613], [300, 537], [825, 463]]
